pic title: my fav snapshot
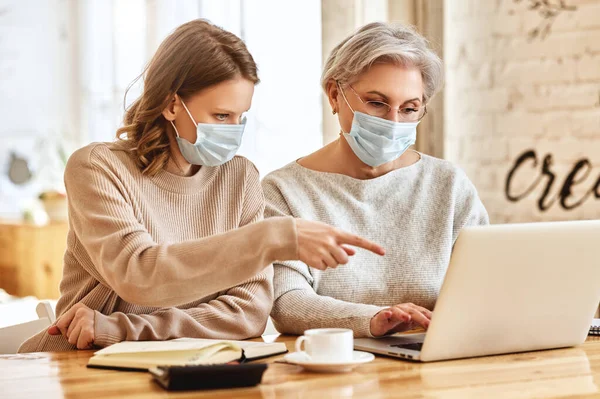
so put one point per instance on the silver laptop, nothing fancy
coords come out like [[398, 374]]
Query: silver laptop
[[509, 288]]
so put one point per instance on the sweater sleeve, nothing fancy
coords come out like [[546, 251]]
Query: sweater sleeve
[[468, 208], [240, 313], [124, 255], [298, 307]]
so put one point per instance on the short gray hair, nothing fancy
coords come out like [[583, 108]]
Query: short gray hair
[[382, 42]]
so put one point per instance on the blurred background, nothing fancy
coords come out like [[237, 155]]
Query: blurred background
[[520, 112]]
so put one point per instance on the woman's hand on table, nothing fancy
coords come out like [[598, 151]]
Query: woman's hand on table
[[77, 325]]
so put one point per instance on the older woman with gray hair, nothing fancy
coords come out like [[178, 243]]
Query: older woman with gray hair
[[378, 81]]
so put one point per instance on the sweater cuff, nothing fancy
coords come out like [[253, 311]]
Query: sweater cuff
[[361, 325], [107, 330], [283, 238]]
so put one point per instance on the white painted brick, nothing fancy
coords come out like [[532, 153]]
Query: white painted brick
[[569, 150], [519, 212], [557, 213], [485, 151], [518, 124], [489, 178], [459, 9], [472, 51], [535, 71], [470, 169], [509, 8], [471, 76], [478, 26], [482, 48], [588, 67], [452, 149], [587, 16], [452, 55], [518, 146], [488, 100], [557, 125], [481, 8], [500, 211], [506, 25], [586, 123], [566, 21], [533, 20], [589, 210], [453, 131], [475, 124], [490, 198], [556, 45], [561, 97]]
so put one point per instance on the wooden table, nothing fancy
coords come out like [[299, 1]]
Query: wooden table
[[565, 373]]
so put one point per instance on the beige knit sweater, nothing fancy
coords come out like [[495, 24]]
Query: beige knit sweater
[[166, 256]]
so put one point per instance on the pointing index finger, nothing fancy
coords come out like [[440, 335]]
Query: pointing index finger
[[357, 241]]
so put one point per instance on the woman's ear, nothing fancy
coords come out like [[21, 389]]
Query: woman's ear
[[331, 88], [170, 111]]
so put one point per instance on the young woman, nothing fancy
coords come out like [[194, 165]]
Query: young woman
[[166, 238], [378, 81]]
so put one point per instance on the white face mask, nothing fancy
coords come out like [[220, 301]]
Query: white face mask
[[216, 143], [376, 141]]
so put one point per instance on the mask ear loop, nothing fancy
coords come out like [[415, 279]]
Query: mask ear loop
[[176, 132], [345, 99], [190, 115]]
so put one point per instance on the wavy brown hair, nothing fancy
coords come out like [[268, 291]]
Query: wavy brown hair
[[195, 56]]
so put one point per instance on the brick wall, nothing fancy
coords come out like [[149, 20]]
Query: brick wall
[[507, 93]]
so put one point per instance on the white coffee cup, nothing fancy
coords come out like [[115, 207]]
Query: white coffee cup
[[327, 344]]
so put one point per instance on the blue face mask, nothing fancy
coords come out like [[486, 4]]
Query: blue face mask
[[376, 141], [215, 144]]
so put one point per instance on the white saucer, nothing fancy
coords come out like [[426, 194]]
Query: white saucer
[[302, 359]]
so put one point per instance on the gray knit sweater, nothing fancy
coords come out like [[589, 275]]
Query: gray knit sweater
[[415, 212]]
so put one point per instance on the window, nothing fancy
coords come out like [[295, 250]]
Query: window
[[284, 38], [67, 65]]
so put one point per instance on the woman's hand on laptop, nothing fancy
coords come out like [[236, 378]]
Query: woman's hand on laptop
[[399, 318], [321, 246]]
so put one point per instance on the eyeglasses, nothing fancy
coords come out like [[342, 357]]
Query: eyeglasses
[[381, 109]]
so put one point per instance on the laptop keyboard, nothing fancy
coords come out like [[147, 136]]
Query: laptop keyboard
[[415, 346]]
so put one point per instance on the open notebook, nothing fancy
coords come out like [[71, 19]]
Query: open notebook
[[142, 355]]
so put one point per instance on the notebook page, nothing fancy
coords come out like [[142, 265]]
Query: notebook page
[[161, 346]]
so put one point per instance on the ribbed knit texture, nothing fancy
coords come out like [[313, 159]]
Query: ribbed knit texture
[[415, 213], [162, 257]]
